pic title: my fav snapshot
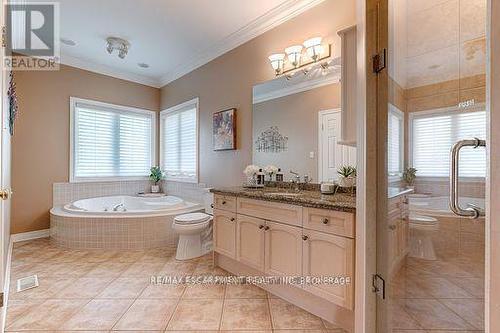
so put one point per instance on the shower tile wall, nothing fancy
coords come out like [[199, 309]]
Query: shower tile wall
[[67, 192], [442, 188]]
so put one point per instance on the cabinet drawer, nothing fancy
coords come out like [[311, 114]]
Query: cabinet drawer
[[272, 211], [330, 221], [225, 203]]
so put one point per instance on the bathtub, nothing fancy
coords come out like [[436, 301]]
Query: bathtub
[[424, 204], [118, 222]]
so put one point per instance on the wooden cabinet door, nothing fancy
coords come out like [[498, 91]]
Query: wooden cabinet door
[[225, 233], [283, 249], [326, 255], [250, 241]]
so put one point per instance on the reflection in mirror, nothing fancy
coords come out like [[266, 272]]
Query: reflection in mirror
[[297, 125]]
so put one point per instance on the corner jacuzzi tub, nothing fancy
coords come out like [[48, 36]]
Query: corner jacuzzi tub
[[118, 222], [424, 204]]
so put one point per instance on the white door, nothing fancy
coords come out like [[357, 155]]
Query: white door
[[331, 154]]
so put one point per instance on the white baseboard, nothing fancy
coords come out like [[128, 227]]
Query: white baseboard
[[24, 236]]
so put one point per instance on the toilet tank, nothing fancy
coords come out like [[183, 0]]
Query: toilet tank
[[208, 200]]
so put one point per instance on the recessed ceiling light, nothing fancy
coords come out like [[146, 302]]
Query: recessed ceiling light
[[143, 65], [68, 42]]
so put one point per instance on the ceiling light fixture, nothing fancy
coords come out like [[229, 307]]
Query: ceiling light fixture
[[118, 44], [295, 57]]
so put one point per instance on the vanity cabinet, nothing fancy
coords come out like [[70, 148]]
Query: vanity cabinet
[[250, 241], [277, 239], [398, 231], [224, 232], [348, 85], [283, 249], [326, 255]]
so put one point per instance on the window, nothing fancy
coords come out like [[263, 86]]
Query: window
[[433, 135], [179, 142], [395, 144], [110, 141]]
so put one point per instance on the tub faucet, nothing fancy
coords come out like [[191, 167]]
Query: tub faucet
[[115, 207]]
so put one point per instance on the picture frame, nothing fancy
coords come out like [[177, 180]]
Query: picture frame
[[224, 130]]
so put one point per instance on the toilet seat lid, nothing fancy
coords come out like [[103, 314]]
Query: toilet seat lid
[[192, 218]]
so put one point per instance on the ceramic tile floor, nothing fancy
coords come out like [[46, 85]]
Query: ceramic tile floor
[[442, 296], [111, 291]]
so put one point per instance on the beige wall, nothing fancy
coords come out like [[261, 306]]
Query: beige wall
[[41, 141], [227, 82], [297, 118]]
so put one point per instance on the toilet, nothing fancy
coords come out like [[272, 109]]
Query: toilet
[[421, 229], [195, 231]]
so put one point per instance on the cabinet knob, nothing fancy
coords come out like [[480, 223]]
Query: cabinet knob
[[325, 221], [232, 219], [266, 228], [304, 237], [223, 202], [212, 205], [392, 227], [261, 226]]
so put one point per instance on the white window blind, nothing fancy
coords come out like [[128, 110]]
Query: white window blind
[[433, 136], [111, 141], [395, 138], [179, 142]]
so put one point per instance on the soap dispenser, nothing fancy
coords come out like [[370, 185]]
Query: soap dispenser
[[260, 178]]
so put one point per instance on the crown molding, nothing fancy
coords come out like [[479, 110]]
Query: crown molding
[[297, 88], [263, 23], [109, 71]]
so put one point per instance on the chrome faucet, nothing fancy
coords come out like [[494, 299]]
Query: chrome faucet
[[296, 180], [115, 207]]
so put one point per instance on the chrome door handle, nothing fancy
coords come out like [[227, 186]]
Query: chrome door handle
[[472, 212], [6, 194]]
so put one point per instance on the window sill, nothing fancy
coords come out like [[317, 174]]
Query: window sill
[[106, 179]]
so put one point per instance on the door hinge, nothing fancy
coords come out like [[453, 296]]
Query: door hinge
[[379, 61], [1, 300], [378, 284], [4, 36]]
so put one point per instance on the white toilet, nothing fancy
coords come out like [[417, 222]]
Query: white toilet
[[421, 229], [195, 232]]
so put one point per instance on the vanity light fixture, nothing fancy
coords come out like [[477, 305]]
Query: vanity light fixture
[[314, 48], [118, 44], [294, 54], [277, 62], [296, 58]]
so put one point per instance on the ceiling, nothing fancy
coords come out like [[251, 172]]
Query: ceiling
[[172, 36]]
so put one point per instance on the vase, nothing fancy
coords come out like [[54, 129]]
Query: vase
[[347, 181], [155, 188]]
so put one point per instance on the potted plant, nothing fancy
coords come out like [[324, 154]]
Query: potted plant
[[409, 176], [347, 175], [251, 173], [271, 170], [156, 176]]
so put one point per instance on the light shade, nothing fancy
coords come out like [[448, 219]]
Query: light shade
[[277, 62], [294, 54], [314, 48]]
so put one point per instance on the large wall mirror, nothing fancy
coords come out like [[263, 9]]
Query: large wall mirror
[[297, 125]]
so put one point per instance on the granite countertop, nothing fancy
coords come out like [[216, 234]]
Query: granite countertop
[[307, 198], [393, 192]]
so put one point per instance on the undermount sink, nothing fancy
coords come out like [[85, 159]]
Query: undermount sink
[[284, 194]]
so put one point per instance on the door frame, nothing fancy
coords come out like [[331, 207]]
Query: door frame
[[372, 21], [320, 134]]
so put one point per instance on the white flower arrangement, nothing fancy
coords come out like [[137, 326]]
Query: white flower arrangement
[[271, 170], [251, 170]]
